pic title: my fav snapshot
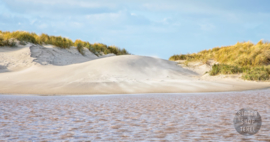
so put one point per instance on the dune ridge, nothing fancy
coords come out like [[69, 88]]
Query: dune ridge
[[35, 69]]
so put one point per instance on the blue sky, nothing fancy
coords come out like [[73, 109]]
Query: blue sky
[[158, 28]]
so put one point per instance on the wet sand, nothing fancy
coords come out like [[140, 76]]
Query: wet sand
[[145, 117]]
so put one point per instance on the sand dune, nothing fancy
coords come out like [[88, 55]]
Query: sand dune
[[57, 56], [34, 69], [16, 58]]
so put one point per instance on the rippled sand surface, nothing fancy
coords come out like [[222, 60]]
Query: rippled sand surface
[[149, 117]]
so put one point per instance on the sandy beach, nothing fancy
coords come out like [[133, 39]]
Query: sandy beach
[[48, 70], [141, 117]]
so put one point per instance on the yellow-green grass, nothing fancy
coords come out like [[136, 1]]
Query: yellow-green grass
[[58, 41], [252, 60], [97, 48]]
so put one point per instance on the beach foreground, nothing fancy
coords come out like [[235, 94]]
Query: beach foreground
[[143, 117]]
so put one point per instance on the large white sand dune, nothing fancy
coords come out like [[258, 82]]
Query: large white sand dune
[[17, 58], [35, 69], [57, 56]]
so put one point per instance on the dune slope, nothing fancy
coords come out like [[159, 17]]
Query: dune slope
[[55, 71]]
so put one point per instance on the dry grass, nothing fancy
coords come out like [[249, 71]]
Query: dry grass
[[243, 54], [243, 57], [62, 42], [99, 48]]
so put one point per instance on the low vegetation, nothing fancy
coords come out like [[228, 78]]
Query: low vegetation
[[8, 39], [6, 42], [252, 60], [80, 48], [225, 69]]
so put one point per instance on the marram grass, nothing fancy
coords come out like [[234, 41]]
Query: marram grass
[[58, 41], [252, 60]]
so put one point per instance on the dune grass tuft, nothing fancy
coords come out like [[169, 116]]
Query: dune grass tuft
[[80, 48], [6, 42], [100, 49]]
